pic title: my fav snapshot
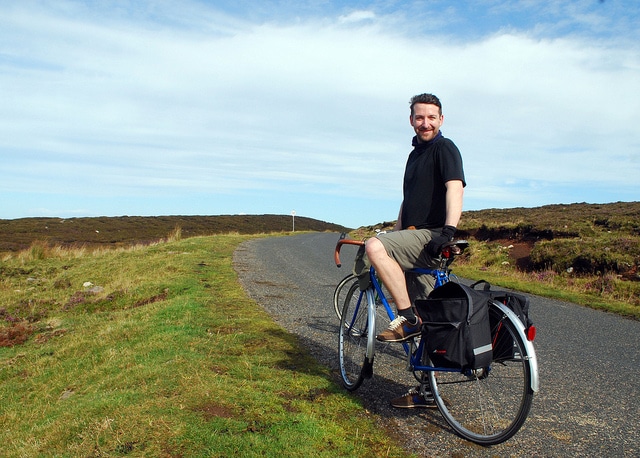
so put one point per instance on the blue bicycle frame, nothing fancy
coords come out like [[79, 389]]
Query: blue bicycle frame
[[441, 277]]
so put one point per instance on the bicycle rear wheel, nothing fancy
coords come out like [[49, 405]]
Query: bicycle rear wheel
[[353, 333], [488, 406], [341, 291]]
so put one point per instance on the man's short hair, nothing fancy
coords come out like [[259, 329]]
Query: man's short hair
[[426, 98]]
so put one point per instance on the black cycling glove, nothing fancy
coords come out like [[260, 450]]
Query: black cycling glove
[[434, 247]]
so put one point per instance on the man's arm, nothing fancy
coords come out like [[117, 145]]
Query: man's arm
[[455, 192]]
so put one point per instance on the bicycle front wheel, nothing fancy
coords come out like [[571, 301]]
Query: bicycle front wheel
[[488, 406], [353, 334]]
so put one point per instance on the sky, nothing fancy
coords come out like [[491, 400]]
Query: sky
[[195, 107]]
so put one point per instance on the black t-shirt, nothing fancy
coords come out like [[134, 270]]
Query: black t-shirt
[[429, 166]]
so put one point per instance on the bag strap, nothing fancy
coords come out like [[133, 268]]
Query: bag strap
[[487, 285], [472, 305]]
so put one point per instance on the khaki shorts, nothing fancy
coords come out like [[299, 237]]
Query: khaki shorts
[[407, 248]]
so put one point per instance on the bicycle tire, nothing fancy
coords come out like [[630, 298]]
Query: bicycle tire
[[339, 294], [490, 405], [353, 333]]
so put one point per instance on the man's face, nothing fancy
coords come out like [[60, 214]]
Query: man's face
[[426, 121]]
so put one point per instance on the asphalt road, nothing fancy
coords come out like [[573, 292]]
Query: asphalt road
[[589, 360]]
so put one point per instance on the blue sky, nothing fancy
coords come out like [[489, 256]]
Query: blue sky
[[154, 108]]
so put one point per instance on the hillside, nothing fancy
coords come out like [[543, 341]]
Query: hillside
[[18, 234], [582, 238], [591, 251], [585, 238], [553, 221]]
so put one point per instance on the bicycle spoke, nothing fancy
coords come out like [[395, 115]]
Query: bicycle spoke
[[488, 407]]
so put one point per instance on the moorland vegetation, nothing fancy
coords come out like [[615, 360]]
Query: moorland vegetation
[[123, 231], [110, 333], [584, 253]]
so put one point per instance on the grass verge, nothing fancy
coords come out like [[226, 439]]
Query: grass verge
[[492, 261], [156, 351], [608, 291]]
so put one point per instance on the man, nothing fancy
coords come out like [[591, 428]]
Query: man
[[433, 190]]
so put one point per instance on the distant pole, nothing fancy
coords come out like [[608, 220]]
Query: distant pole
[[293, 220]]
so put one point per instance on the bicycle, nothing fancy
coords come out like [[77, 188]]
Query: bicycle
[[486, 406]]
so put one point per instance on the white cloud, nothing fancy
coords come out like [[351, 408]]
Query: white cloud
[[357, 16]]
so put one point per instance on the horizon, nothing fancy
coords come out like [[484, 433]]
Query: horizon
[[304, 216]]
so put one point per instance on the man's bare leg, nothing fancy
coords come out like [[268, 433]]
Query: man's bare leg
[[389, 272], [406, 325]]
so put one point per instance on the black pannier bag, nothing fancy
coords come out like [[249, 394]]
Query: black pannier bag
[[503, 345], [456, 327]]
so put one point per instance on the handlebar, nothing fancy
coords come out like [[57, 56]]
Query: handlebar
[[454, 248], [342, 241]]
